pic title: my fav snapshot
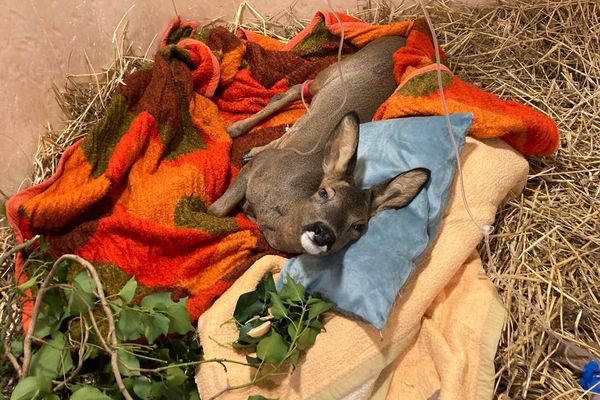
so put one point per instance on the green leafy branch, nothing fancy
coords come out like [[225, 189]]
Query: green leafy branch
[[277, 326], [84, 344], [78, 319]]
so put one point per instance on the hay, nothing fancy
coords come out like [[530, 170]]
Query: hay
[[545, 252]]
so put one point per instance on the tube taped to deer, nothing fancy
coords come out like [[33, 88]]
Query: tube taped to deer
[[365, 278]]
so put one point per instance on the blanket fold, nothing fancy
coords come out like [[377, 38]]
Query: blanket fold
[[441, 334], [131, 197]]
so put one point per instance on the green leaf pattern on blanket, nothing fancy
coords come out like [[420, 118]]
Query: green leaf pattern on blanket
[[99, 144], [190, 212], [311, 46], [425, 84], [186, 140]]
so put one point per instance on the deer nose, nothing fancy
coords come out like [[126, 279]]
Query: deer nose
[[323, 235]]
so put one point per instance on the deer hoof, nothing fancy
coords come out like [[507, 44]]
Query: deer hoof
[[246, 157]]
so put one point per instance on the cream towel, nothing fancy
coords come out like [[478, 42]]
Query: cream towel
[[441, 335]]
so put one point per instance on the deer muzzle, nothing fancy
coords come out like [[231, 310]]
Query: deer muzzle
[[317, 238]]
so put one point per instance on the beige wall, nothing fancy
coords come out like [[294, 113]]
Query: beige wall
[[43, 40]]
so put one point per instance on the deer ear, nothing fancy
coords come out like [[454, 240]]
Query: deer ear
[[399, 191], [340, 151]]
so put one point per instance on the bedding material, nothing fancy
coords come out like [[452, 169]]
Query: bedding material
[[365, 278], [442, 332], [131, 196]]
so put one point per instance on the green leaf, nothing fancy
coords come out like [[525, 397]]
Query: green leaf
[[244, 339], [55, 303], [315, 323], [88, 393], [244, 345], [254, 361], [163, 354], [29, 283], [79, 304], [83, 282], [319, 308], [116, 304], [294, 357], [44, 382], [155, 326], [272, 348], [247, 306], [142, 387], [53, 359], [292, 291], [179, 318], [16, 348], [51, 396], [130, 360], [259, 397], [277, 308], [127, 292], [266, 285], [157, 301], [129, 325], [43, 327], [51, 316], [307, 338], [175, 377], [26, 389], [158, 391], [91, 352], [291, 329]]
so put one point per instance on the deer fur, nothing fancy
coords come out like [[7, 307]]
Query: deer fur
[[300, 189]]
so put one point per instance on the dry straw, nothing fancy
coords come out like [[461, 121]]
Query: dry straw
[[545, 252], [545, 255]]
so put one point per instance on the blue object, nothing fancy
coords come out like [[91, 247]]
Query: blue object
[[590, 379], [365, 278]]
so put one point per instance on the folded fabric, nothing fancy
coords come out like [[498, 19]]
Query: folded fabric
[[528, 131], [453, 355], [131, 196], [364, 279], [448, 314]]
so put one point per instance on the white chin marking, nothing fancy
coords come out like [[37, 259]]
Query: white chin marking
[[306, 239]]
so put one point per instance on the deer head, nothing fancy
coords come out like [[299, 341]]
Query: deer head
[[338, 211]]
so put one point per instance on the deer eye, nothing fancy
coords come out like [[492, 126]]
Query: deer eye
[[323, 193], [359, 227]]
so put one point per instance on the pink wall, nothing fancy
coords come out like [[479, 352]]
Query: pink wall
[[43, 40]]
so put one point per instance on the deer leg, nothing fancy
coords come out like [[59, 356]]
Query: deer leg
[[278, 102], [251, 153], [232, 196]]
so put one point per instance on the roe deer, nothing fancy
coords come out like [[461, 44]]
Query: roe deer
[[300, 189]]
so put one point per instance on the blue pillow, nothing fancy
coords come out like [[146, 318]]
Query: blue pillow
[[365, 278]]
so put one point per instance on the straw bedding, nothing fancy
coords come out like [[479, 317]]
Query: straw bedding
[[544, 255]]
